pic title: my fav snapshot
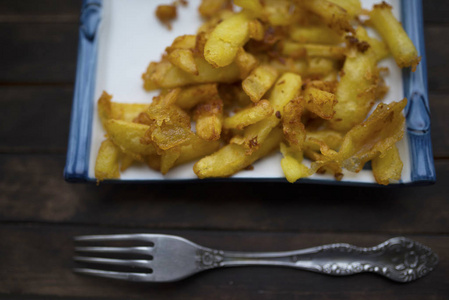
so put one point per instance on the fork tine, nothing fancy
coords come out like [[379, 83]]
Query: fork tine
[[116, 275], [139, 263], [116, 250], [117, 237]]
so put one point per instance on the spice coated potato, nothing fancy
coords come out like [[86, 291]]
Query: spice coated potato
[[295, 76], [107, 163], [402, 48]]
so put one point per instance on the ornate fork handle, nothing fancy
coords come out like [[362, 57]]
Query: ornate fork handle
[[399, 259]]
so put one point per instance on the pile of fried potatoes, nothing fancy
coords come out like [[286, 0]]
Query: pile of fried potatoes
[[295, 76]]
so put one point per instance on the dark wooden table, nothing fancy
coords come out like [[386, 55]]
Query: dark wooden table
[[40, 213]]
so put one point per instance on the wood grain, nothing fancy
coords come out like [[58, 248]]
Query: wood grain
[[33, 191], [45, 268], [34, 119]]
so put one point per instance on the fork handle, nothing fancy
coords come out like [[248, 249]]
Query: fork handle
[[334, 259]]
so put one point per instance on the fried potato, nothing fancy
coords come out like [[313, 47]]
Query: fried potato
[[249, 115], [127, 136], [277, 12], [209, 8], [402, 48], [294, 130], [209, 119], [259, 82], [314, 140], [333, 15], [297, 50], [107, 163], [387, 167], [196, 149], [226, 39], [118, 111], [286, 88], [168, 158], [253, 6], [320, 102], [352, 7], [193, 95], [292, 164], [356, 90], [166, 75], [246, 62], [232, 158], [372, 138], [183, 59], [256, 30], [126, 161], [315, 35]]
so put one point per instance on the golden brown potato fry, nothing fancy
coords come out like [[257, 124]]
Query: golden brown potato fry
[[183, 59], [402, 48], [169, 126], [166, 13], [259, 82], [196, 149], [383, 128], [252, 5], [352, 7], [387, 167], [333, 15], [210, 8], [249, 115], [191, 96], [256, 30], [320, 67], [209, 119], [246, 62], [168, 158], [356, 90], [107, 163], [127, 136], [286, 88], [292, 164], [320, 102], [277, 12], [226, 39], [118, 111], [294, 130], [315, 35], [182, 42], [330, 167], [232, 158], [125, 162], [332, 139], [297, 50], [166, 75]]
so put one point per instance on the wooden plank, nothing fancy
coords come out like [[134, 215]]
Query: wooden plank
[[439, 108], [34, 118], [38, 53], [36, 260], [436, 11], [31, 10], [437, 62], [33, 190]]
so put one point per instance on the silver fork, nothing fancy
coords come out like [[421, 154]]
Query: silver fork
[[171, 258]]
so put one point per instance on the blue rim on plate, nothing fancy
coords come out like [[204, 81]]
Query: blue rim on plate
[[415, 90]]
